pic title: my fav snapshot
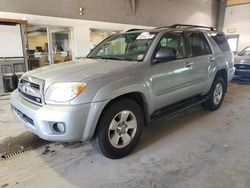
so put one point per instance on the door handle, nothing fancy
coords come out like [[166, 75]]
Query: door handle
[[211, 58], [189, 64]]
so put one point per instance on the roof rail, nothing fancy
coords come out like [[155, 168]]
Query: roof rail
[[162, 27], [187, 26], [133, 30], [191, 26]]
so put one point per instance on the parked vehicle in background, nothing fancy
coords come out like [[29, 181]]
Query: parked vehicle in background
[[126, 81], [242, 64]]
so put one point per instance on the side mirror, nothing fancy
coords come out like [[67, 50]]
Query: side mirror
[[165, 54], [236, 53]]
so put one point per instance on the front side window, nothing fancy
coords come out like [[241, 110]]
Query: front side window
[[198, 44], [176, 41], [129, 46]]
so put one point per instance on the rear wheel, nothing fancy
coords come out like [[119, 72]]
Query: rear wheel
[[119, 129], [216, 94]]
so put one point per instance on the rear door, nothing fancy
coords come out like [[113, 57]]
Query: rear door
[[201, 58]]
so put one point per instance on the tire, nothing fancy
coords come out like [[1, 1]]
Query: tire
[[119, 129], [216, 94]]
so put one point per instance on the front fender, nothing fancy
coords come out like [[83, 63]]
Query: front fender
[[124, 86], [111, 91]]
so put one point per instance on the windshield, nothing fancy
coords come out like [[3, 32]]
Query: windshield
[[245, 52], [129, 46]]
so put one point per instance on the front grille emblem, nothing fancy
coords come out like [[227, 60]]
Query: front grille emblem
[[27, 88]]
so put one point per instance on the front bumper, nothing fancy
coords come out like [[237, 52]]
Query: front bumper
[[242, 73], [40, 119]]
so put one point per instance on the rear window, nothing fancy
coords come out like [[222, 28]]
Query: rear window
[[221, 41]]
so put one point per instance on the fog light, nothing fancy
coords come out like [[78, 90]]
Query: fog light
[[59, 127]]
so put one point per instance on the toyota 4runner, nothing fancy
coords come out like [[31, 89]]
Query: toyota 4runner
[[125, 82]]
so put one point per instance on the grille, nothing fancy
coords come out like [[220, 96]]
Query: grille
[[31, 89], [36, 86]]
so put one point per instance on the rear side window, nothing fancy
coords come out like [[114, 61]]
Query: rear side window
[[221, 41], [198, 44]]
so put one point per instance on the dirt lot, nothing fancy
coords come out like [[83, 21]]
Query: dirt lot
[[192, 149]]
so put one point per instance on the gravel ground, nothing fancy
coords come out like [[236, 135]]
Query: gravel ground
[[193, 149]]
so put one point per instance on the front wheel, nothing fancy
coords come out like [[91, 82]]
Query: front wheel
[[119, 129], [216, 94]]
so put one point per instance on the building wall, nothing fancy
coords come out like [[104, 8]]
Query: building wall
[[148, 12], [80, 28], [237, 22]]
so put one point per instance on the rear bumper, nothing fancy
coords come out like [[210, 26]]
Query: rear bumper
[[40, 119]]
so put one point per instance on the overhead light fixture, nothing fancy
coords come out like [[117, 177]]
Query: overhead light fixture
[[81, 11]]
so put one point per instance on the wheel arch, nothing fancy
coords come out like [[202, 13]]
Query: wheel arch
[[139, 98], [223, 74], [97, 110], [213, 75]]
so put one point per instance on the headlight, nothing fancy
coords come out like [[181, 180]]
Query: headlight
[[64, 92]]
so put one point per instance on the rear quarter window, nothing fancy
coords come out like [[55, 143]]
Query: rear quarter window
[[221, 41]]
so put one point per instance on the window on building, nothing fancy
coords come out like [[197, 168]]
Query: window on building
[[48, 45], [98, 35], [233, 41]]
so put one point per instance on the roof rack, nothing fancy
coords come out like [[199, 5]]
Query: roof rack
[[133, 30], [187, 26]]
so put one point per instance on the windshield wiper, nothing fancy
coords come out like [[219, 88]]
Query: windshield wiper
[[103, 57], [112, 58], [91, 57]]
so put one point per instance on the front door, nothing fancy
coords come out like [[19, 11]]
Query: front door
[[170, 78]]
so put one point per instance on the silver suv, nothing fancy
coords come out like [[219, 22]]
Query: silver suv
[[125, 82]]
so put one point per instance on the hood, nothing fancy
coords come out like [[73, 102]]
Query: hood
[[78, 70], [242, 60]]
